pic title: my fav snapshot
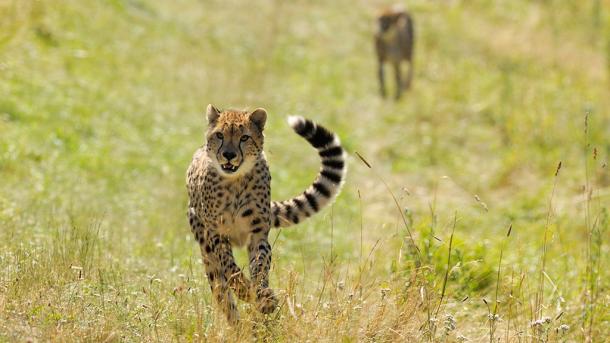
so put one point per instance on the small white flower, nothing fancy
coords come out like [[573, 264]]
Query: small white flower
[[494, 317], [341, 285], [450, 323], [540, 322], [384, 292], [563, 328]]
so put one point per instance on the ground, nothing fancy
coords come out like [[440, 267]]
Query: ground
[[497, 158]]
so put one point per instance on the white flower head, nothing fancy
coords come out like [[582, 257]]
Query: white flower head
[[449, 324], [494, 317], [385, 292]]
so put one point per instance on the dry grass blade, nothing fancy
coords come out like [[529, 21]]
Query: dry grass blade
[[446, 277], [363, 160]]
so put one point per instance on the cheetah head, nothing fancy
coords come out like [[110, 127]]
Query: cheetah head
[[389, 18], [235, 139]]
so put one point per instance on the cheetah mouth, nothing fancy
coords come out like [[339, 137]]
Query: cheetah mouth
[[229, 168]]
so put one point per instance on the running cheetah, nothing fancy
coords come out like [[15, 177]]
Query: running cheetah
[[229, 187]]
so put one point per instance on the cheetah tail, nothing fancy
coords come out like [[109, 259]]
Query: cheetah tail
[[326, 185]]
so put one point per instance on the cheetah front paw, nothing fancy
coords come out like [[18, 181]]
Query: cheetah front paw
[[242, 288], [266, 300]]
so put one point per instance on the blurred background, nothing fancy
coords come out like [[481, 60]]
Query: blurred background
[[102, 105]]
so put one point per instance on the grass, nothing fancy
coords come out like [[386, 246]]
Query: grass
[[101, 107]]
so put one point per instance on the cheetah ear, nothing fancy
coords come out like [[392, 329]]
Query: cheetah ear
[[259, 117], [212, 113]]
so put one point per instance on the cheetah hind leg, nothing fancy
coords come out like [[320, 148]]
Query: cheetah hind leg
[[407, 84]]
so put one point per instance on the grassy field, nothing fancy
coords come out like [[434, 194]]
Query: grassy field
[[464, 228]]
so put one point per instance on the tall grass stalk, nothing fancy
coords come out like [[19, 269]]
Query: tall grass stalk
[[595, 225], [539, 299], [445, 278], [448, 267]]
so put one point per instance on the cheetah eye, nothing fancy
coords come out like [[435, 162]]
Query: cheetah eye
[[219, 135], [244, 138]]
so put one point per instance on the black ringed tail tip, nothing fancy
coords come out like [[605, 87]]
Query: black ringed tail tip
[[327, 184]]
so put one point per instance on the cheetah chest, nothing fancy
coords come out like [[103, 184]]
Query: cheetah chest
[[235, 227], [238, 210]]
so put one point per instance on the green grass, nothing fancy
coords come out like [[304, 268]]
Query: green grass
[[101, 108]]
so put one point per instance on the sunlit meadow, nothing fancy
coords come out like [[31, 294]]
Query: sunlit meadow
[[475, 209]]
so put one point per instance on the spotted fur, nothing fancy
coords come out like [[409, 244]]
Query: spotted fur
[[229, 187]]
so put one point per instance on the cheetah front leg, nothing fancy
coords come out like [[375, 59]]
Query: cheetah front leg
[[218, 281], [238, 282], [220, 267], [381, 57], [259, 252]]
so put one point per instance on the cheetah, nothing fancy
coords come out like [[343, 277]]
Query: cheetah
[[229, 188], [394, 42]]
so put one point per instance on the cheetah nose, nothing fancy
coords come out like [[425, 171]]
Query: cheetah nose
[[229, 155]]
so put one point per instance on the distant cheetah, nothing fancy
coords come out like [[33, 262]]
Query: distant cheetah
[[229, 187], [394, 41]]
